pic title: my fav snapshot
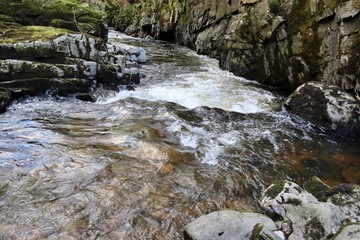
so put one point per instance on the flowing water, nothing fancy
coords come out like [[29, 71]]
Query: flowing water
[[140, 165]]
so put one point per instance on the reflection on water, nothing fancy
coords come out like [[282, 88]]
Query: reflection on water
[[140, 165]]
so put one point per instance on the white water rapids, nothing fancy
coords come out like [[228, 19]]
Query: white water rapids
[[209, 86]]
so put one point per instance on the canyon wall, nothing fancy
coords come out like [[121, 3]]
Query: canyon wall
[[283, 43]]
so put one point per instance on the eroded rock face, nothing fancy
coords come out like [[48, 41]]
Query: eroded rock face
[[279, 42], [326, 106]]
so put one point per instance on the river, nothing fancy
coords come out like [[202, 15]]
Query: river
[[142, 164]]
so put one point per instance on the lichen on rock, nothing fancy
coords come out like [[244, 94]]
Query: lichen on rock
[[310, 218]]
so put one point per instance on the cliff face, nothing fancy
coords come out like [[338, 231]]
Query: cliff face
[[279, 42]]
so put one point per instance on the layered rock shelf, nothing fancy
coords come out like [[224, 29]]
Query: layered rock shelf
[[60, 48], [71, 64]]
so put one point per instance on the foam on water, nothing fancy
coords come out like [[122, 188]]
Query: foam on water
[[204, 89], [197, 83]]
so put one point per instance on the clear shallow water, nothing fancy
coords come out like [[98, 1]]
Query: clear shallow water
[[140, 165]]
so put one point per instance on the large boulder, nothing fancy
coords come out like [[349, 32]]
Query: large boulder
[[308, 217], [230, 225], [326, 106]]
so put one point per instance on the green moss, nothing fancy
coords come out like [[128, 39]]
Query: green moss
[[9, 7], [338, 200], [255, 234], [6, 18], [258, 233], [65, 8], [3, 188], [317, 188], [332, 4], [274, 6], [298, 189], [275, 188], [300, 16], [32, 33], [342, 227], [64, 13], [59, 23], [294, 201], [122, 14], [314, 229]]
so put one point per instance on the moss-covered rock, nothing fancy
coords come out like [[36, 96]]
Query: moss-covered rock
[[75, 15], [35, 60], [309, 218], [317, 188], [261, 232], [32, 33]]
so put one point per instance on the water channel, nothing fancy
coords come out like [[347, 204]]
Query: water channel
[[190, 140]]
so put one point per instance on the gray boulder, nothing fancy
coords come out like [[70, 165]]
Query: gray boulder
[[309, 218], [227, 224], [349, 232], [326, 106]]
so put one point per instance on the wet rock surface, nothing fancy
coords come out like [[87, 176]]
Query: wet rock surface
[[279, 42], [71, 64], [326, 106]]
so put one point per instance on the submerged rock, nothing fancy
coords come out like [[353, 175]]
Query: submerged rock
[[326, 106]]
